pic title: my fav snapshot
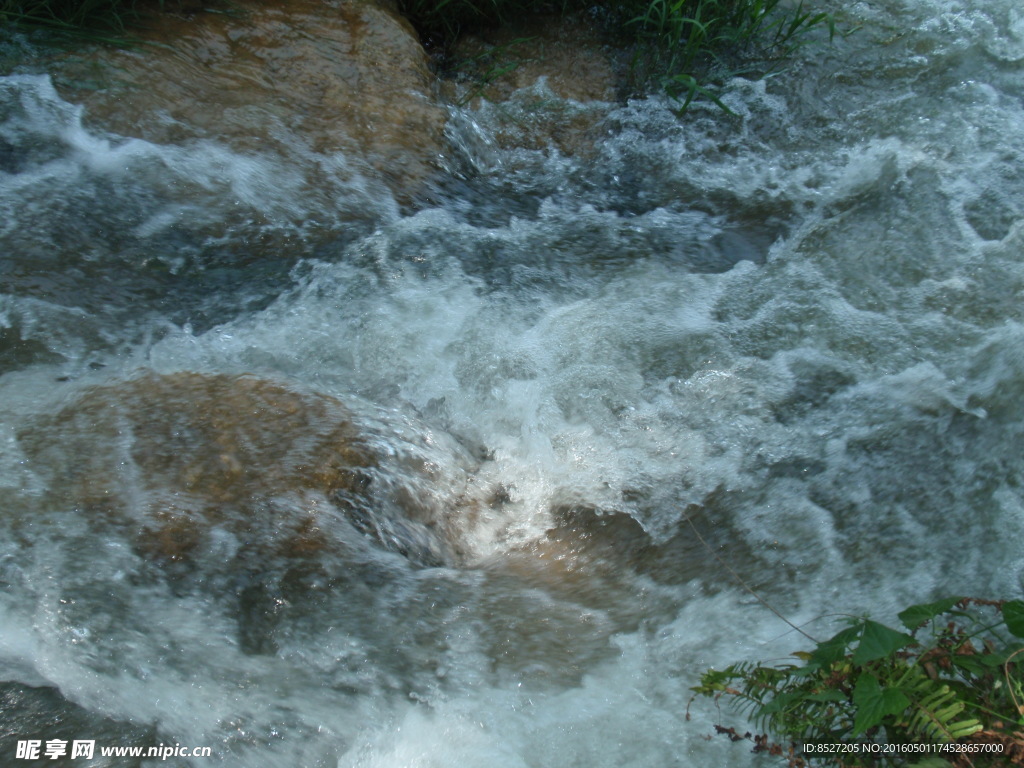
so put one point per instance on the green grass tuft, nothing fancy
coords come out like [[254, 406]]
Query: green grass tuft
[[689, 47]]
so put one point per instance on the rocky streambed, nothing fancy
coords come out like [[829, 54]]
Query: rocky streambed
[[354, 414]]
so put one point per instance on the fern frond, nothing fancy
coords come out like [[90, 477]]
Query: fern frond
[[934, 716]]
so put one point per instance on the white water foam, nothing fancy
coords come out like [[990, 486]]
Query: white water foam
[[800, 326]]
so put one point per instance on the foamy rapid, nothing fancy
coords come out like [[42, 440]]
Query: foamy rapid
[[794, 331]]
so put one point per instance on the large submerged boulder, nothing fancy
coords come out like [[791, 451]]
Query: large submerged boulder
[[295, 512], [180, 463]]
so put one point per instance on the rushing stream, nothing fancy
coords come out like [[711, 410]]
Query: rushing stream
[[795, 332]]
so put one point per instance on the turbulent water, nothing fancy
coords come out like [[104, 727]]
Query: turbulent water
[[796, 332]]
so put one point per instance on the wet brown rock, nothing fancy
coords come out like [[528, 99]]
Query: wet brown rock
[[565, 50], [585, 542], [333, 75], [170, 457], [223, 438], [581, 77]]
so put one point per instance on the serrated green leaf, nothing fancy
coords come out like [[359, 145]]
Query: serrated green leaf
[[874, 703], [877, 641], [1013, 615], [916, 615], [832, 650], [976, 665], [999, 657]]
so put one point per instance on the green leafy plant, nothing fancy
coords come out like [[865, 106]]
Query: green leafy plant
[[952, 676], [690, 46]]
